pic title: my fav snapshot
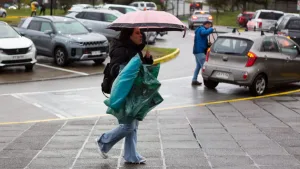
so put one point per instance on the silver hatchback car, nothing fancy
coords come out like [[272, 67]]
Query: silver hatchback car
[[252, 59]]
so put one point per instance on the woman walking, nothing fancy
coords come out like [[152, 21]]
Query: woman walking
[[121, 51]]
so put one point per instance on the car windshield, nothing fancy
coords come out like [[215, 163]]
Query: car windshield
[[270, 15], [294, 24], [72, 28], [8, 32], [233, 46]]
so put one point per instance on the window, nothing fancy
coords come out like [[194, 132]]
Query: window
[[270, 15], [142, 4], [150, 5], [120, 9], [293, 24], [93, 16], [283, 23], [287, 46], [129, 10], [269, 45], [136, 5], [232, 46], [80, 15], [70, 28], [46, 26], [109, 18], [34, 25]]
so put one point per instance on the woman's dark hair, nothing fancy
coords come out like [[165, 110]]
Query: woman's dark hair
[[125, 34]]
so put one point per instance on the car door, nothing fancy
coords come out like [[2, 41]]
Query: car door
[[106, 20], [32, 33], [290, 51], [45, 40], [274, 61]]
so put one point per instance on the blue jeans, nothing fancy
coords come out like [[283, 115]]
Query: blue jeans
[[129, 131], [200, 59]]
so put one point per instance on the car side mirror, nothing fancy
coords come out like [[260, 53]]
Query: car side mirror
[[22, 34], [272, 29], [48, 32], [90, 29]]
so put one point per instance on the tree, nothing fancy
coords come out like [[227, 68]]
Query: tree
[[217, 4]]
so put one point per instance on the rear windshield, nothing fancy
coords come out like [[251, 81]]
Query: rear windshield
[[231, 46], [294, 25], [270, 15], [201, 13]]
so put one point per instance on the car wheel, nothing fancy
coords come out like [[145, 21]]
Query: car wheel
[[61, 57], [99, 61], [259, 85], [210, 84], [29, 68], [4, 15]]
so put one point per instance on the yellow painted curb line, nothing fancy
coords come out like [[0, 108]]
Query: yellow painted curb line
[[14, 17], [169, 108], [167, 57]]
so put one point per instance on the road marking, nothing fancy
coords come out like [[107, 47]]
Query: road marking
[[61, 69], [161, 109]]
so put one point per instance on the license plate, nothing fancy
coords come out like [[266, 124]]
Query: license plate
[[222, 75], [202, 19], [96, 52], [18, 57]]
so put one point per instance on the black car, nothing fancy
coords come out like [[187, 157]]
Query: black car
[[288, 26]]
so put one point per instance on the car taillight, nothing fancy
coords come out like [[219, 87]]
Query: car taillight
[[259, 22], [251, 59], [207, 54], [245, 75], [194, 17]]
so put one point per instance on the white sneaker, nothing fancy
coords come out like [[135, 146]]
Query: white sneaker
[[142, 161], [103, 155]]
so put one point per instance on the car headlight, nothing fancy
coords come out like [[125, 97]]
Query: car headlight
[[30, 48], [105, 43]]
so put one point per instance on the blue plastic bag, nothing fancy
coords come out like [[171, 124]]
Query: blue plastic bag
[[123, 84]]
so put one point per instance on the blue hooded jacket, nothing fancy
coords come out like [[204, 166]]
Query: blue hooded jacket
[[201, 39]]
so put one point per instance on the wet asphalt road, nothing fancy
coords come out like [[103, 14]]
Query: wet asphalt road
[[75, 97]]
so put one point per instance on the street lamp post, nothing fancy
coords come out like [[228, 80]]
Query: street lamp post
[[51, 7]]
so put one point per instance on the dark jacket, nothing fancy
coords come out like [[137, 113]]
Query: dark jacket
[[122, 52], [201, 40]]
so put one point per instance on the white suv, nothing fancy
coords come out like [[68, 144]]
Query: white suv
[[144, 6], [263, 19], [15, 50]]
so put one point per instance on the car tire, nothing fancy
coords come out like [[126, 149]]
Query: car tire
[[61, 57], [29, 68], [259, 85], [99, 61], [210, 84], [3, 15]]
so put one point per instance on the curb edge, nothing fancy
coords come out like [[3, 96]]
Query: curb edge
[[167, 57]]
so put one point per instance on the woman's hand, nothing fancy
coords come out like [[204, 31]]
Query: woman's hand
[[148, 55]]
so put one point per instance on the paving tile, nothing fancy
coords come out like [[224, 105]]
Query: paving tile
[[276, 160], [224, 161], [180, 144], [224, 151]]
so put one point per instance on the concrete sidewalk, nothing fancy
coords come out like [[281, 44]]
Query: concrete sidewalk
[[258, 134]]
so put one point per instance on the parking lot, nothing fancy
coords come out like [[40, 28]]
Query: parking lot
[[46, 69]]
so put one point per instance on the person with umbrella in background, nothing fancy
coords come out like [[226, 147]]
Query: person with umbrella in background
[[122, 50], [33, 6]]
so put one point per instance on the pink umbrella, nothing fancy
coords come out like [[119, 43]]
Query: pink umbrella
[[148, 20]]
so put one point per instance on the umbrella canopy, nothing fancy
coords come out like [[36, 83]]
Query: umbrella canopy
[[148, 20]]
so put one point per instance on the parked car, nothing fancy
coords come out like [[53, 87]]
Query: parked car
[[64, 39], [198, 18], [77, 7], [3, 13], [244, 17], [253, 60], [121, 8], [99, 19], [263, 19], [15, 50], [196, 5], [289, 26], [144, 6]]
